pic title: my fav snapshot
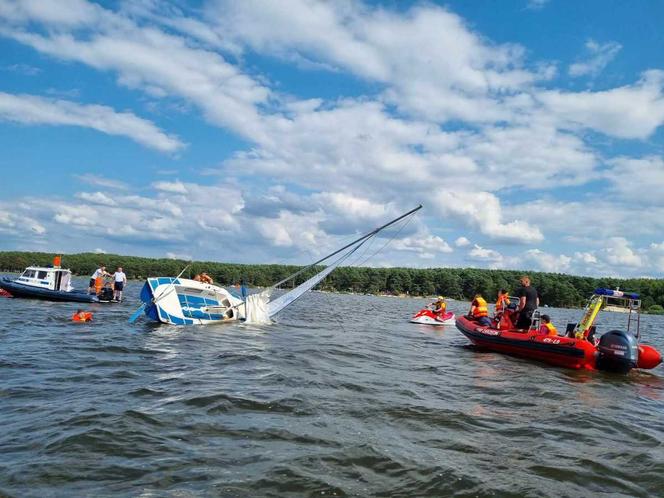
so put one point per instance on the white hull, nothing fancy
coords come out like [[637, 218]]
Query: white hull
[[188, 302]]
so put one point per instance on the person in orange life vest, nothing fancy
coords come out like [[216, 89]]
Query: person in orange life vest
[[547, 327], [94, 279], [439, 306], [479, 310], [82, 316], [502, 302]]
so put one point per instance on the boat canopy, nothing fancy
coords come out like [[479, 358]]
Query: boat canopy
[[46, 277]]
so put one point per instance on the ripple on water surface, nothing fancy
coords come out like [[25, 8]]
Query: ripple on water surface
[[341, 397]]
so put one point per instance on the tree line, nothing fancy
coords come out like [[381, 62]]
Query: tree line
[[555, 289]]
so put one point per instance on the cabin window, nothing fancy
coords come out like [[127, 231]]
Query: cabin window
[[29, 274], [42, 275]]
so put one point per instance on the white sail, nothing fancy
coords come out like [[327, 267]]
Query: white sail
[[284, 300], [256, 308]]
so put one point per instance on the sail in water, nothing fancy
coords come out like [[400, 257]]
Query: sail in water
[[259, 310]]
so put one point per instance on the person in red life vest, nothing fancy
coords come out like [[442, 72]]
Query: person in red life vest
[[479, 310], [547, 327], [82, 316]]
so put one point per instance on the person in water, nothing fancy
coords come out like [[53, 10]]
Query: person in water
[[502, 302], [99, 272], [439, 306], [119, 281], [479, 310], [82, 316], [547, 328], [528, 303]]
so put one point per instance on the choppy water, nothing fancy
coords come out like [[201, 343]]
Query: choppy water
[[342, 397]]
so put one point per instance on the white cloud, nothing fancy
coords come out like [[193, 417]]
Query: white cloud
[[99, 250], [482, 211], [548, 262], [425, 245], [599, 56], [585, 257], [619, 253], [100, 181], [633, 111], [638, 180], [29, 109], [462, 242], [480, 253], [97, 198], [176, 187], [185, 257]]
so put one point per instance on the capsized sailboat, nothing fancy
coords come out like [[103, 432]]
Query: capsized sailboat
[[181, 301]]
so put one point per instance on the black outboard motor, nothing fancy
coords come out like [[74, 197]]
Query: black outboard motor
[[106, 294], [618, 351]]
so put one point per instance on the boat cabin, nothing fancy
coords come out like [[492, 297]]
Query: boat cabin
[[46, 277]]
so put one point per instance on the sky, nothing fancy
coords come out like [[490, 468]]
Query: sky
[[276, 131]]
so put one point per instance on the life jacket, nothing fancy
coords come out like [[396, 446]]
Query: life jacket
[[502, 302], [548, 329], [480, 308], [86, 316], [99, 283], [440, 307]]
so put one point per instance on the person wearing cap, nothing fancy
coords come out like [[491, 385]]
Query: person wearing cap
[[439, 306], [99, 273], [547, 328]]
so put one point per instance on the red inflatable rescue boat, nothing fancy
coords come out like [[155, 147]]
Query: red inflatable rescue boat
[[616, 350]]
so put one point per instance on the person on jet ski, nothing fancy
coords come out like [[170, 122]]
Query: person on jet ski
[[479, 311], [439, 306]]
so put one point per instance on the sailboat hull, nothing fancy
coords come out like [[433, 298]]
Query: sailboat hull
[[180, 301]]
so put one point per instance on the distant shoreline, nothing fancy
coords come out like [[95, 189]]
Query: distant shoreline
[[555, 289]]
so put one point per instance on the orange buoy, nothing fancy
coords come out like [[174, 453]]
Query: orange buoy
[[649, 357], [82, 316]]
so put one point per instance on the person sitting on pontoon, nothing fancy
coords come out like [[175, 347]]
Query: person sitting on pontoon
[[502, 302], [547, 328], [479, 311]]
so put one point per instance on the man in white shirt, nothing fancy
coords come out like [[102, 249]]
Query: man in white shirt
[[119, 281], [99, 272]]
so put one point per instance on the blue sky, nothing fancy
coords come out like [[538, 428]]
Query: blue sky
[[271, 132]]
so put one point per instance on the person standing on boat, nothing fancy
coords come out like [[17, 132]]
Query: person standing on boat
[[99, 273], [119, 281], [528, 303]]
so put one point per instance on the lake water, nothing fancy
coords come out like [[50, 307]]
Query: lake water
[[341, 397]]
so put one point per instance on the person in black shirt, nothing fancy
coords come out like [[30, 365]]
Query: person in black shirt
[[528, 302]]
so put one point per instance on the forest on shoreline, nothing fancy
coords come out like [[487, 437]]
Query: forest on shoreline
[[555, 289]]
